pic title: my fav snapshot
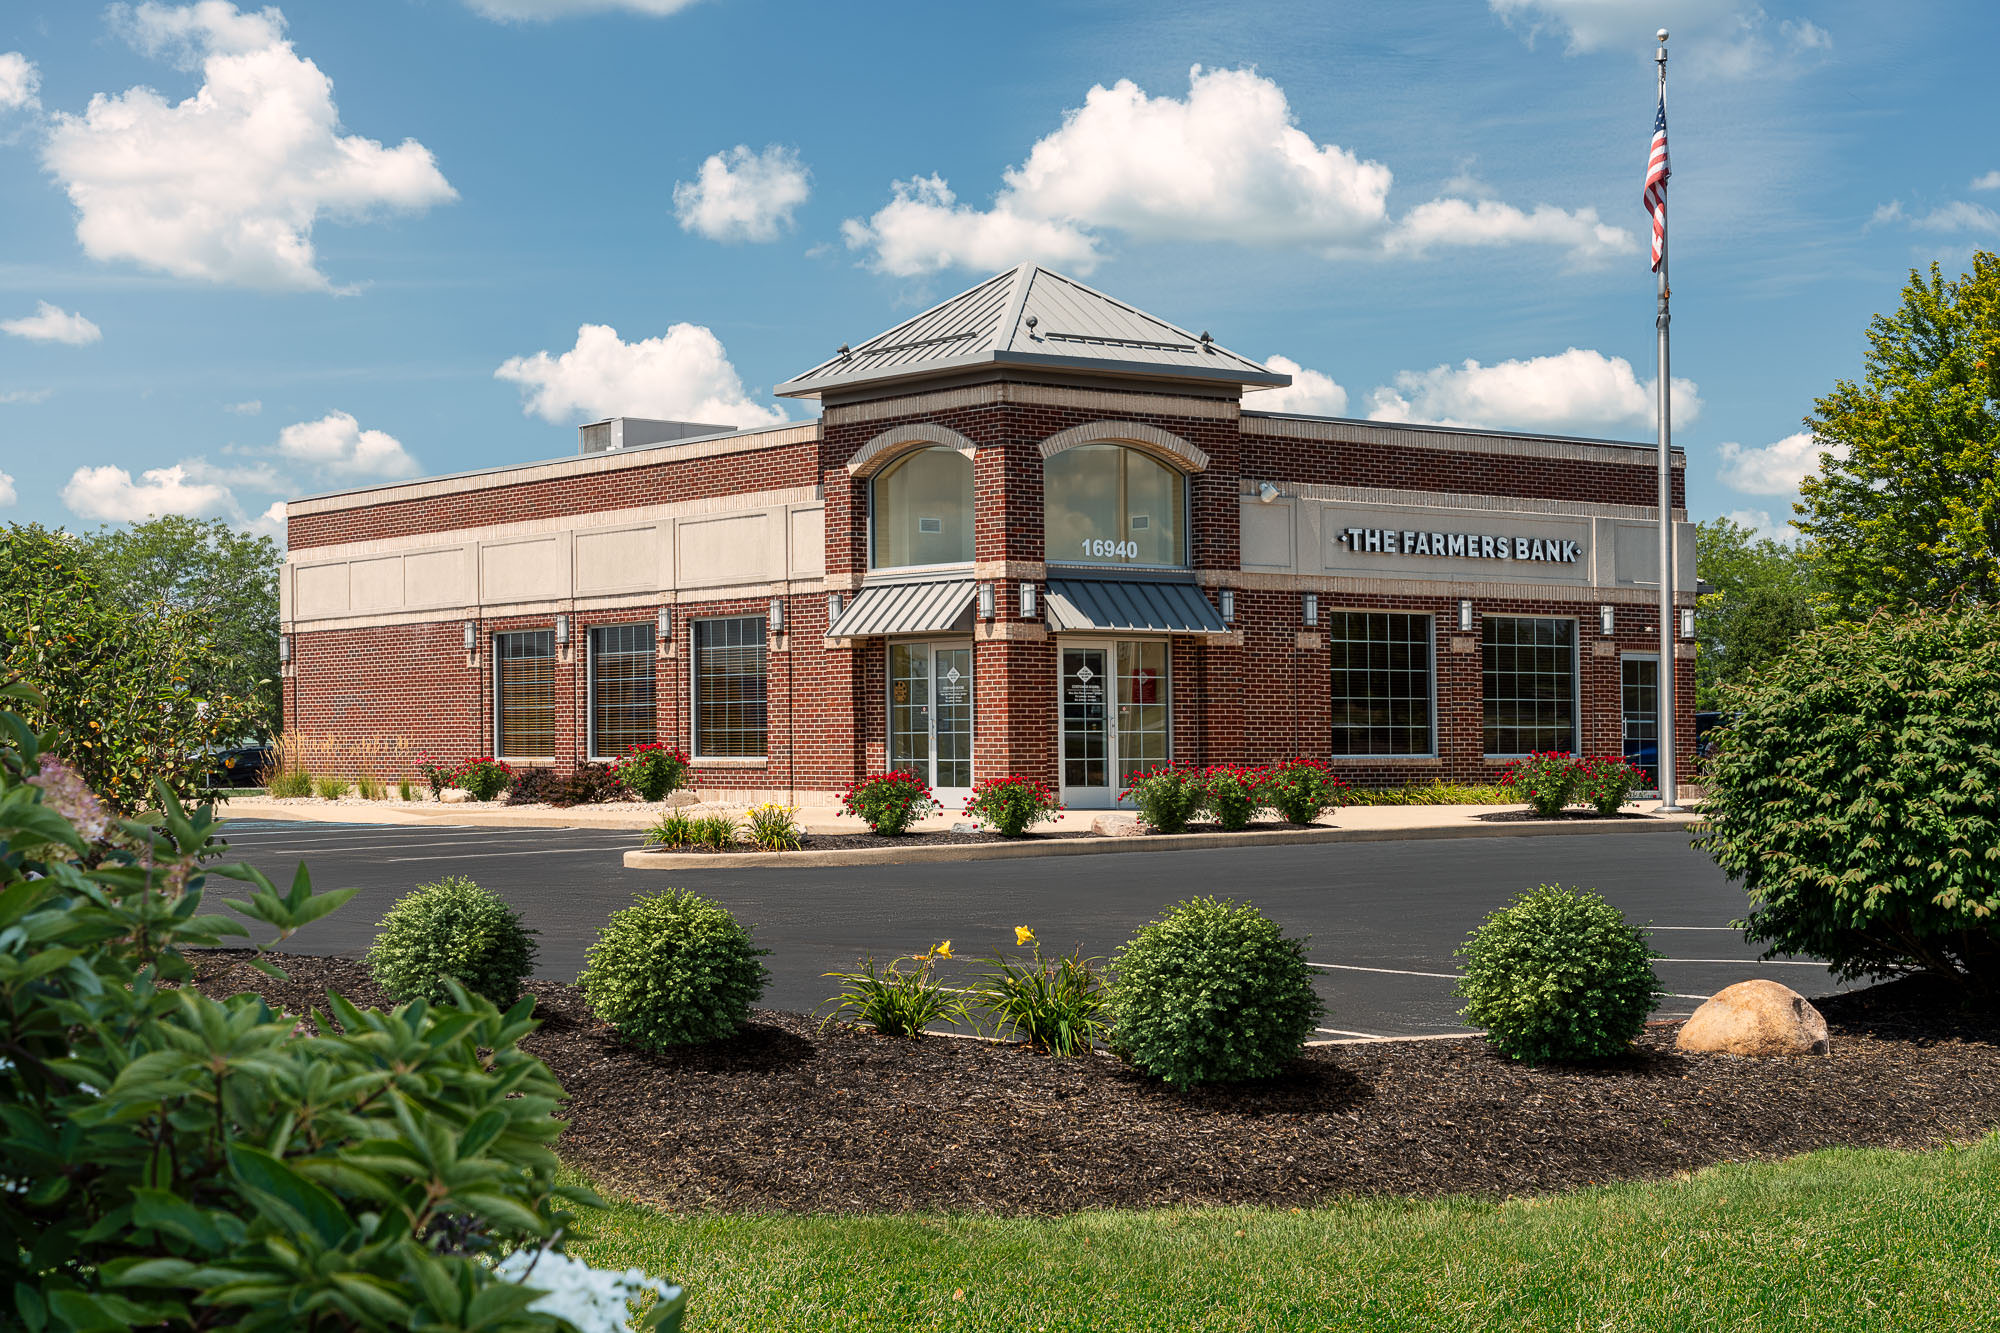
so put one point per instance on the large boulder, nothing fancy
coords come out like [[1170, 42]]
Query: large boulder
[[1118, 826], [1755, 1018], [454, 796]]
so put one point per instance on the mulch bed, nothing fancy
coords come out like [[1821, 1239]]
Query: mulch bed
[[1509, 816], [830, 842], [785, 1117]]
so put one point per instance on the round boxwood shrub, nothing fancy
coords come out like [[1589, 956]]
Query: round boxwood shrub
[[673, 969], [1558, 974], [452, 930], [1212, 992], [1852, 795]]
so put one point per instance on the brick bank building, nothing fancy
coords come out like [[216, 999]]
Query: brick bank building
[[1034, 530]]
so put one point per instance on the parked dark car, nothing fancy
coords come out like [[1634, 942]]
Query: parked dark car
[[238, 765], [1706, 724]]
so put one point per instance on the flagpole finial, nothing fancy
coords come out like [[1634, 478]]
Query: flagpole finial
[[1661, 54]]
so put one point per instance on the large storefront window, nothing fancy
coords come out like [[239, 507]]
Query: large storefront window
[[1381, 683], [922, 510], [524, 694], [621, 689], [1530, 684], [1104, 504], [729, 711]]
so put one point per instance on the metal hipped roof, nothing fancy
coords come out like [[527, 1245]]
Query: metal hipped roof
[[1108, 604], [904, 608], [1032, 317]]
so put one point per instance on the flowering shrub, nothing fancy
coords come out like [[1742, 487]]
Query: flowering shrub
[[1545, 781], [652, 772], [1055, 1005], [1234, 793], [894, 1002], [1011, 804], [1606, 783], [485, 777], [774, 827], [1301, 790], [1167, 797], [436, 776], [890, 802]]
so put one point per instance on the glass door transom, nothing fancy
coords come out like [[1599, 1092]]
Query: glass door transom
[[1114, 717], [930, 715]]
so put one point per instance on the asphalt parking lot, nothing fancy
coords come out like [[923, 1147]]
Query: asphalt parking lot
[[1383, 917]]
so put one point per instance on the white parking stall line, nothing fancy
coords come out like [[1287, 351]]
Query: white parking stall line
[[1349, 1032], [539, 851], [1676, 995], [1747, 962], [1389, 971], [359, 844], [1731, 929]]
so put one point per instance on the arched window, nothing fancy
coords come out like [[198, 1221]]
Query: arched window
[[922, 510], [1105, 504]]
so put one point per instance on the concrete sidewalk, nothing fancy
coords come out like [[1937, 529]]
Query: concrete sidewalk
[[1391, 821]]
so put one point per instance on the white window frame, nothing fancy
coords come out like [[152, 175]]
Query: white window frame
[[695, 754], [590, 691], [874, 509], [1097, 566], [1575, 680], [1430, 617], [555, 655]]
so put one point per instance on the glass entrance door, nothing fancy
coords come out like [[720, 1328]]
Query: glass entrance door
[[1114, 705], [1639, 688], [930, 716]]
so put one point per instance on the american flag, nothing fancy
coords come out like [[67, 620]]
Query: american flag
[[1657, 172]]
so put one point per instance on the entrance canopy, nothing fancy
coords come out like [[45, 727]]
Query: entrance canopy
[[906, 608], [1134, 607]]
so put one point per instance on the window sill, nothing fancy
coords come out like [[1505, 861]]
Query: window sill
[[730, 761]]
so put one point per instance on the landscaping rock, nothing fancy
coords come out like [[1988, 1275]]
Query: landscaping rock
[[680, 800], [1118, 826], [1755, 1018], [965, 826], [455, 796]]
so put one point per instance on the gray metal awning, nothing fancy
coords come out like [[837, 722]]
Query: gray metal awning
[[1130, 607], [905, 608]]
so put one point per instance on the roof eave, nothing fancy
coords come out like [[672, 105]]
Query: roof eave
[[811, 386]]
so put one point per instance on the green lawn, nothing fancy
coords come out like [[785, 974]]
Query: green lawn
[[1833, 1241]]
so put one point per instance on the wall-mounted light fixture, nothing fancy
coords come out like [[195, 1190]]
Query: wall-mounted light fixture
[[562, 631], [1465, 617], [986, 601], [663, 625], [1267, 493], [1027, 601], [835, 604], [1687, 624], [284, 649], [1228, 599], [471, 636], [777, 615], [1606, 619], [1312, 609]]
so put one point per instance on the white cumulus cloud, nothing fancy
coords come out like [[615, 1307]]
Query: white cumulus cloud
[[541, 11], [1990, 181], [1730, 38], [52, 324], [1228, 162], [228, 184], [336, 444], [1760, 522], [683, 375], [743, 196], [1578, 391], [7, 492], [1773, 469], [20, 81], [1311, 392], [109, 493], [270, 523], [249, 407]]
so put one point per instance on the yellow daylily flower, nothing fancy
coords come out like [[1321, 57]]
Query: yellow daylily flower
[[1023, 936], [942, 950]]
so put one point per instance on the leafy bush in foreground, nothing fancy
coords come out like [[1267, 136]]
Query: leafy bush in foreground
[[176, 1162], [1558, 974], [1212, 992], [449, 931], [673, 969]]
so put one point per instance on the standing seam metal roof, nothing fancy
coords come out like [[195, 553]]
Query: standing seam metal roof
[[904, 608], [1113, 604]]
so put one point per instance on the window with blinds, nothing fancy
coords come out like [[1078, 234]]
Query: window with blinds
[[524, 694], [621, 689], [729, 711]]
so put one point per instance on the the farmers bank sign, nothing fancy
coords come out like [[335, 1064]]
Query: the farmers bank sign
[[1461, 545], [1390, 541]]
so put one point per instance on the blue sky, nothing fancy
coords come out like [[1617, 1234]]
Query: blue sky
[[341, 242]]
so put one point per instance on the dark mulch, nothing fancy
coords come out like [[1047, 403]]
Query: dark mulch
[[785, 1117], [828, 842], [1509, 816]]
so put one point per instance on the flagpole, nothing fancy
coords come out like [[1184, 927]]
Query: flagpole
[[1669, 696]]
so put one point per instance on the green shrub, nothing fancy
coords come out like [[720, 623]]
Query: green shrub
[[177, 1162], [715, 831], [652, 772], [1853, 796], [1547, 782], [331, 789], [1606, 783], [774, 827], [675, 828], [1167, 797], [295, 783], [1212, 992], [406, 790], [890, 802], [1558, 974], [897, 1003], [1301, 790], [484, 778], [1233, 793], [671, 970], [436, 775], [370, 789], [1012, 804], [449, 931], [1055, 1005], [1432, 793]]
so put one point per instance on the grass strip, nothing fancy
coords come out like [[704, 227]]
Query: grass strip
[[1838, 1240]]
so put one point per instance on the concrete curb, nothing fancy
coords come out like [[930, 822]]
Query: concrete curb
[[643, 859]]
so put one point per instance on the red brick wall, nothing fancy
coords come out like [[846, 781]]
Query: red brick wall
[[1348, 463]]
